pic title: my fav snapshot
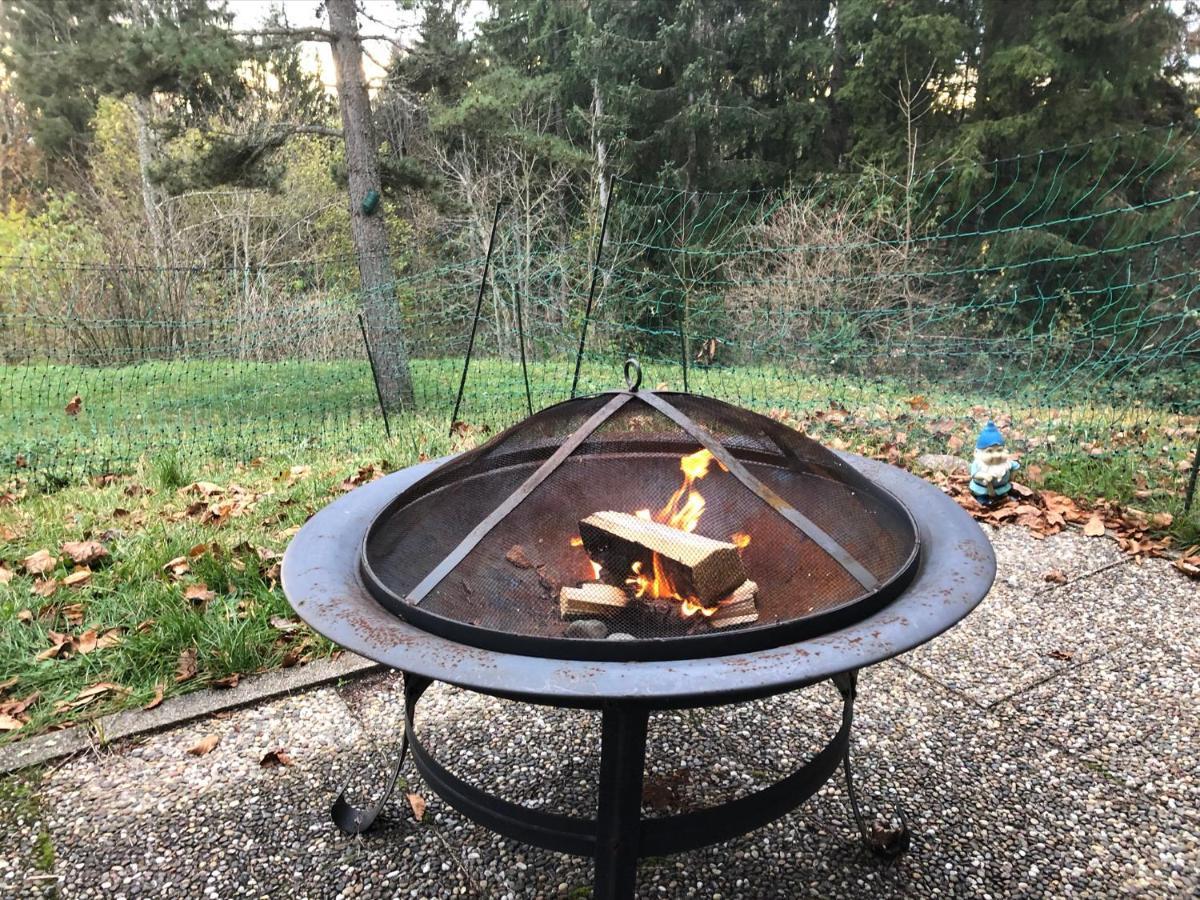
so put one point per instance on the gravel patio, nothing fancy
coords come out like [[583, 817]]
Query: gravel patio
[[1049, 745]]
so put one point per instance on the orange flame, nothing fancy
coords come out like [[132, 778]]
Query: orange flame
[[691, 607], [682, 511], [577, 541]]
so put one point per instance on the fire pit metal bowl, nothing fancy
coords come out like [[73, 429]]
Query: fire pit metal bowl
[[339, 582]]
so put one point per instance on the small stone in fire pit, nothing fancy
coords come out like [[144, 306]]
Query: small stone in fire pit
[[621, 636], [592, 629]]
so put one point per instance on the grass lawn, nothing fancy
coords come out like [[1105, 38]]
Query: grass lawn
[[187, 592]]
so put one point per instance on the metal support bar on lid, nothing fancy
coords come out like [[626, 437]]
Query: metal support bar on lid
[[814, 532], [477, 534]]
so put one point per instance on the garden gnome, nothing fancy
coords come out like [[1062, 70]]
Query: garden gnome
[[992, 467]]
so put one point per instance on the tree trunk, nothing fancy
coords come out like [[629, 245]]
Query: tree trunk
[[369, 232], [150, 194], [838, 135]]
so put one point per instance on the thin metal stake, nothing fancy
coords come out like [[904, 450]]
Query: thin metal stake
[[683, 351], [487, 262], [587, 313], [1190, 494], [521, 343], [387, 426]]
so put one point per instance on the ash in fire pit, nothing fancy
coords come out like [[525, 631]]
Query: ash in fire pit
[[686, 525]]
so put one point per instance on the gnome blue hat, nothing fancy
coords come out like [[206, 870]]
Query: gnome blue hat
[[989, 437]]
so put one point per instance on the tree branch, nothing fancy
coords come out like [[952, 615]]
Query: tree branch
[[322, 130]]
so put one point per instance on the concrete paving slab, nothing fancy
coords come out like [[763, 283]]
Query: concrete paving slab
[[251, 690], [1021, 636], [1132, 715], [1023, 557], [43, 748], [1016, 640]]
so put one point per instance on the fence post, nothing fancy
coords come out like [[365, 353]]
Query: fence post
[[521, 343], [1190, 494], [387, 426], [487, 261], [587, 313]]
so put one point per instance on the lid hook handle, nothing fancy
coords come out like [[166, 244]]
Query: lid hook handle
[[634, 381]]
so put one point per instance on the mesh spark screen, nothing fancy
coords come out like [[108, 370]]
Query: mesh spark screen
[[668, 584]]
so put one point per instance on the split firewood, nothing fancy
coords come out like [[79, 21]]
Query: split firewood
[[591, 600], [697, 566], [739, 609]]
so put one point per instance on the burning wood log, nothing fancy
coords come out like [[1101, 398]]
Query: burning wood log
[[591, 600], [696, 566], [739, 609]]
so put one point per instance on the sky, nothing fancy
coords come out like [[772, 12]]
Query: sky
[[376, 17]]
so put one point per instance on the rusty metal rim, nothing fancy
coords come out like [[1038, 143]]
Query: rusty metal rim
[[320, 578]]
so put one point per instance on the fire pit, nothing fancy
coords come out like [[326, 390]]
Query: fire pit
[[630, 552]]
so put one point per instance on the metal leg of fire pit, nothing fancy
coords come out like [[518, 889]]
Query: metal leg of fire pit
[[619, 814], [884, 843], [357, 819]]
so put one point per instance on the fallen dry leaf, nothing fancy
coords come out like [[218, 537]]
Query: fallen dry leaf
[[1094, 527], [178, 567], [229, 681], [7, 683], [74, 405], [417, 802], [204, 745], [286, 626], [25, 615], [198, 593], [1062, 655], [273, 758], [1055, 576], [87, 641], [78, 578], [185, 668], [158, 697], [39, 563], [61, 644], [203, 488], [73, 613], [84, 553], [6, 575], [9, 723], [88, 695], [111, 638], [45, 587], [917, 402]]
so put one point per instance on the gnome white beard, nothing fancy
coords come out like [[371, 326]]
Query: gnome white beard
[[991, 467]]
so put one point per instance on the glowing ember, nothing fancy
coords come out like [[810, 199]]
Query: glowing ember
[[690, 608], [577, 541], [740, 539]]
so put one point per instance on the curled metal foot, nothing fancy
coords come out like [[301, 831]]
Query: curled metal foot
[[357, 819], [882, 841]]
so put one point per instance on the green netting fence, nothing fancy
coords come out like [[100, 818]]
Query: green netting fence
[[1055, 292]]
